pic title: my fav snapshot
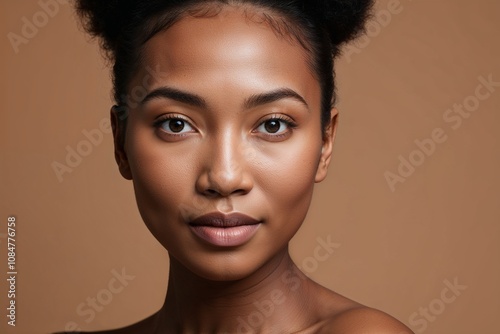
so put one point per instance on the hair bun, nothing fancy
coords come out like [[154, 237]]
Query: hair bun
[[111, 20], [343, 19], [100, 18]]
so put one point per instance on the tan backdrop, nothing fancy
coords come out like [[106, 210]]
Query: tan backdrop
[[411, 202]]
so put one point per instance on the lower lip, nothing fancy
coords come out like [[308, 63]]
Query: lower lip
[[225, 237]]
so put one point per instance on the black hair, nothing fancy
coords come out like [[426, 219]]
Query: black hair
[[321, 26]]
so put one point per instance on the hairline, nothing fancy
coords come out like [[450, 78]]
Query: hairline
[[167, 18]]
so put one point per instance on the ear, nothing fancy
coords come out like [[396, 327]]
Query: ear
[[118, 122], [327, 146]]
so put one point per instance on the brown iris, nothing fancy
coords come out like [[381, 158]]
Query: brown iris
[[272, 126], [176, 125]]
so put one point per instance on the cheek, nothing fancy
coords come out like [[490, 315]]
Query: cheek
[[287, 179], [162, 179]]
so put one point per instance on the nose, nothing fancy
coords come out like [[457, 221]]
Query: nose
[[226, 168]]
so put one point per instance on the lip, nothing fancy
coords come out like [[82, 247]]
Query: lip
[[224, 230]]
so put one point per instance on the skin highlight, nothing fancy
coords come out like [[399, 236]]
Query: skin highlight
[[200, 142]]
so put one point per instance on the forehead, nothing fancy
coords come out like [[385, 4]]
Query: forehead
[[232, 46], [283, 25]]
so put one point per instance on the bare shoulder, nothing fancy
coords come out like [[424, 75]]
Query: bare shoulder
[[340, 314], [363, 320]]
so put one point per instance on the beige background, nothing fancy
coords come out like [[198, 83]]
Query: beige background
[[397, 248]]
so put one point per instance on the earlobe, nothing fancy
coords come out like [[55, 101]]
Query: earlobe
[[327, 147], [117, 125]]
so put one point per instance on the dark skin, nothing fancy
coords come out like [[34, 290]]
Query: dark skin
[[229, 155]]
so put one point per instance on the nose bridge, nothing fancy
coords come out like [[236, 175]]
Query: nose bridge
[[225, 159], [224, 164]]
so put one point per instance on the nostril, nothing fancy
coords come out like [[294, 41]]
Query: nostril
[[211, 192], [216, 193], [240, 192]]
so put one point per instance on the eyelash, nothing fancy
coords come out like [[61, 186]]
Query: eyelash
[[162, 119], [290, 123]]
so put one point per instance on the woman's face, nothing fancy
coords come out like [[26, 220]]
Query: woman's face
[[231, 123]]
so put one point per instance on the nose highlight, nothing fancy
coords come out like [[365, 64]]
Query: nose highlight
[[225, 171]]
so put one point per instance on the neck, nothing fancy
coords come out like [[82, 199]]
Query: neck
[[277, 294]]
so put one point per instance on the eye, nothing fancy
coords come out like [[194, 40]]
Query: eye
[[272, 126], [173, 125], [276, 126]]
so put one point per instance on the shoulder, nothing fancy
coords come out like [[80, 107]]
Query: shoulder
[[340, 314], [363, 320]]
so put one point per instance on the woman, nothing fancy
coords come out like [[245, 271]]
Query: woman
[[224, 122]]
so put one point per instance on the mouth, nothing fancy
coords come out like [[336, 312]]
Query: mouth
[[223, 230]]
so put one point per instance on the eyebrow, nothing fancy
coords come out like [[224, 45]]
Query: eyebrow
[[197, 101], [273, 96], [176, 95]]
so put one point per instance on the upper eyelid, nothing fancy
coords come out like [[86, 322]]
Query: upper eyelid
[[280, 117], [170, 116], [267, 118], [163, 118], [290, 122]]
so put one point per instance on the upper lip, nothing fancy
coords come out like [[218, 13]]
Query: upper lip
[[219, 219]]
